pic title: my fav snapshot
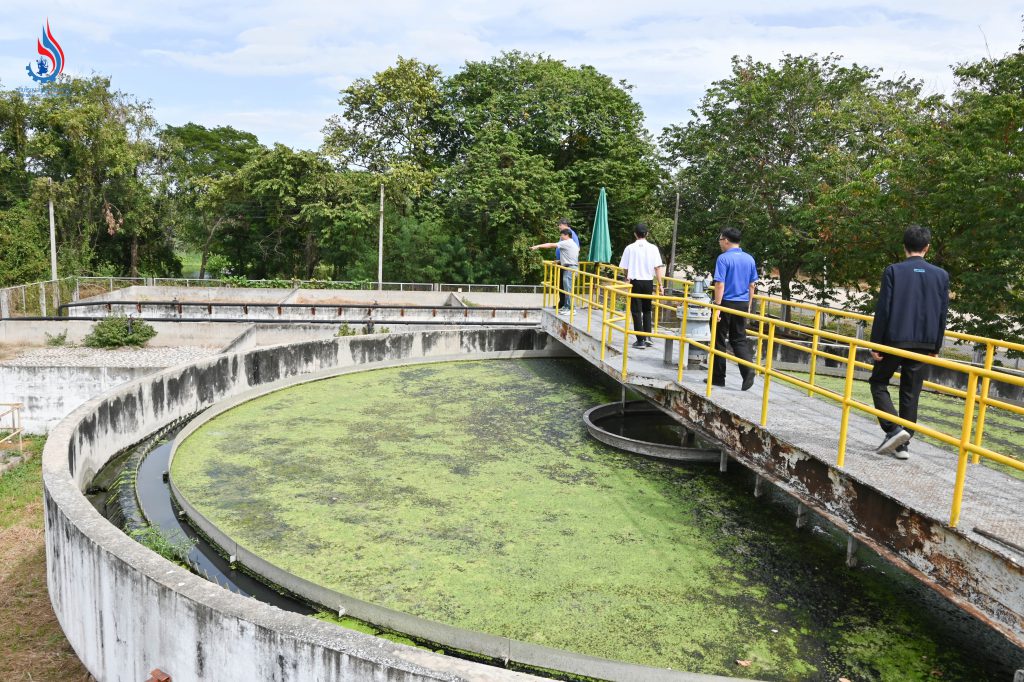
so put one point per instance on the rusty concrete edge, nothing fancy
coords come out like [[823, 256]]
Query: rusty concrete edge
[[845, 526], [493, 646]]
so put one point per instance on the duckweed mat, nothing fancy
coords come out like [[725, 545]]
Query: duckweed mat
[[470, 493]]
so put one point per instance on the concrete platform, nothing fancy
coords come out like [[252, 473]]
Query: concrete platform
[[899, 508]]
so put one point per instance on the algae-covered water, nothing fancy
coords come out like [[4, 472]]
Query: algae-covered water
[[470, 493]]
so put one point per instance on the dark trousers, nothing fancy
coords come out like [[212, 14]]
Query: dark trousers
[[641, 307], [912, 376], [732, 330]]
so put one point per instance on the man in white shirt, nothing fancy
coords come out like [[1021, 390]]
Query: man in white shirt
[[644, 269]]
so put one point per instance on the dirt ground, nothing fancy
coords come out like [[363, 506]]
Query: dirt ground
[[32, 646]]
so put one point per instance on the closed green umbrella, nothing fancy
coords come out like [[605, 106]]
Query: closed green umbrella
[[600, 241]]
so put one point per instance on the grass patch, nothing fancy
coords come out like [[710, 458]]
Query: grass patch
[[190, 263], [33, 646]]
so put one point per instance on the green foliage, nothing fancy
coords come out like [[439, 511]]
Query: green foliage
[[479, 165], [795, 156], [346, 330], [174, 548], [217, 265], [963, 179], [23, 258], [57, 340], [117, 331]]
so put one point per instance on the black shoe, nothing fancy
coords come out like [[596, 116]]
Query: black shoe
[[639, 345], [893, 439], [747, 382], [649, 343], [902, 452], [718, 383]]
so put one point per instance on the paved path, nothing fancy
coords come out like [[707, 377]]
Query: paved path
[[992, 500]]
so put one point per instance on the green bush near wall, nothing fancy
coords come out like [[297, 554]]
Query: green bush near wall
[[118, 331]]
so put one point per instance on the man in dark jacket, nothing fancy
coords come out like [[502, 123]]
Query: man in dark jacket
[[911, 314]]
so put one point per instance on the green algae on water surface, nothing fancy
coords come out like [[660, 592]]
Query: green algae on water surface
[[469, 493]]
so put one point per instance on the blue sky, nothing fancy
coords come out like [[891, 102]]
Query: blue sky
[[275, 68]]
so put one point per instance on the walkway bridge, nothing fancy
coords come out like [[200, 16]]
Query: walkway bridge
[[940, 516]]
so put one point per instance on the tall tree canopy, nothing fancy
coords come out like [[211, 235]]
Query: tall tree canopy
[[97, 146], [789, 154], [491, 156]]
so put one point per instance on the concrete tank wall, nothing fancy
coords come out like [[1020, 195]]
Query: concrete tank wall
[[126, 610]]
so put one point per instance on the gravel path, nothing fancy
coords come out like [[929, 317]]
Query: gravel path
[[80, 356]]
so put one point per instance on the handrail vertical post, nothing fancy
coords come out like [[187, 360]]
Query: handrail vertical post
[[979, 432], [683, 344], [814, 350], [770, 351], [711, 346], [760, 329], [604, 322], [851, 364], [965, 438], [625, 339]]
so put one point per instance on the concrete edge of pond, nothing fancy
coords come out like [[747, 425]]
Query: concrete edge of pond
[[523, 654], [125, 610], [676, 453]]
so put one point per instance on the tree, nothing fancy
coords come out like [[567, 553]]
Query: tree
[[965, 180], [285, 211], [579, 120], [790, 154], [390, 126], [97, 146], [192, 158]]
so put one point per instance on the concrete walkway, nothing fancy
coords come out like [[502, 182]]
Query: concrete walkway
[[992, 500]]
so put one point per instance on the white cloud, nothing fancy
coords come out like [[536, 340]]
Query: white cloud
[[670, 50]]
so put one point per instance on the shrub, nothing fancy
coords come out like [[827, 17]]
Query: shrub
[[57, 339], [117, 331]]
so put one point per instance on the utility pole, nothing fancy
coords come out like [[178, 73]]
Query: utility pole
[[380, 243], [53, 236], [675, 230]]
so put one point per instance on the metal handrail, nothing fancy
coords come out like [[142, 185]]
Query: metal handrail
[[619, 296], [16, 429]]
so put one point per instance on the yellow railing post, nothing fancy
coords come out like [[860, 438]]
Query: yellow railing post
[[965, 438], [682, 339], [814, 350], [711, 348], [851, 365], [625, 338], [760, 330], [767, 373], [605, 325], [979, 433]]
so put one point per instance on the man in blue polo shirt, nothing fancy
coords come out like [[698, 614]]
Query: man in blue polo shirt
[[735, 279]]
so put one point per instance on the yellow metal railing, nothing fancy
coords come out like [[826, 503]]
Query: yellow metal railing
[[598, 289], [8, 433]]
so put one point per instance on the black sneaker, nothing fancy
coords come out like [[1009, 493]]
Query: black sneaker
[[902, 452], [747, 382], [893, 439], [717, 383], [639, 345], [649, 343]]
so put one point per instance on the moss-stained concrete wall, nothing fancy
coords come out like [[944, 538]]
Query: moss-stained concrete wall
[[125, 610]]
